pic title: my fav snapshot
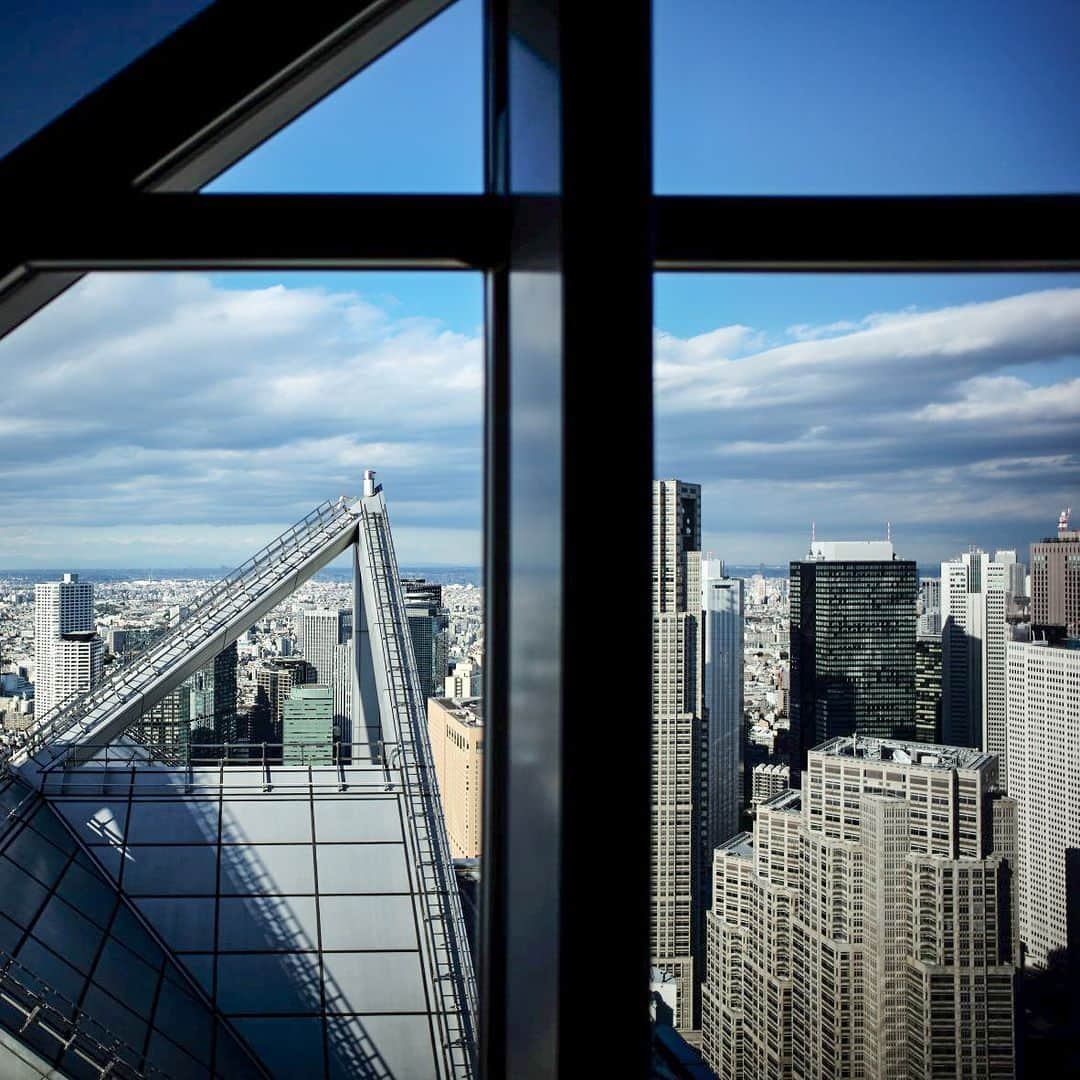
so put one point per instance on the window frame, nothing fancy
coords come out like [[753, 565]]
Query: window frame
[[111, 184]]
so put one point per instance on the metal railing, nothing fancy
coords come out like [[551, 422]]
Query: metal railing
[[209, 614], [73, 1029], [443, 923]]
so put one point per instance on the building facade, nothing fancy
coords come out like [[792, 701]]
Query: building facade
[[853, 615], [768, 780], [274, 682], [307, 728], [928, 688], [864, 930], [428, 626], [973, 633], [1055, 579], [1044, 767], [465, 680], [68, 653], [322, 631], [679, 795], [456, 730], [722, 617]]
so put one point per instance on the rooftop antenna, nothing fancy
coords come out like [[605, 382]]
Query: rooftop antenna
[[888, 531], [1063, 519], [813, 531]]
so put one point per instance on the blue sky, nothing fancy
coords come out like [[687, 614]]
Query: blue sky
[[949, 404]]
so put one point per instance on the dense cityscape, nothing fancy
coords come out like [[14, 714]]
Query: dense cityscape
[[864, 794]]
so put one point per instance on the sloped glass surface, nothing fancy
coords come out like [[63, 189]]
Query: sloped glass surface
[[74, 950], [783, 98], [410, 122], [52, 54]]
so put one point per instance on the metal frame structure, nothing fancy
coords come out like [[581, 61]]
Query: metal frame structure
[[567, 231]]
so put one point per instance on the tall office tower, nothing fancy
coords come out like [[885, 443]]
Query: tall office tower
[[275, 679], [852, 644], [928, 688], [466, 680], [767, 780], [1015, 573], [322, 630], [343, 676], [166, 728], [864, 931], [1055, 579], [428, 625], [973, 633], [722, 614], [67, 652], [307, 726], [680, 783], [456, 732], [213, 697], [929, 621], [1044, 763]]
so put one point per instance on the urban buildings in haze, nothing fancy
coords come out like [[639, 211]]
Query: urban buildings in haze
[[456, 730], [1044, 779], [973, 634], [1055, 579], [864, 930], [679, 825], [722, 616], [67, 651], [853, 614]]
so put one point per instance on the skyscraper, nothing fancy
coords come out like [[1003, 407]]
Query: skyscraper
[[275, 679], [307, 734], [343, 676], [213, 698], [928, 688], [322, 630], [864, 930], [852, 643], [973, 633], [428, 624], [722, 614], [680, 823], [1044, 763], [1015, 573], [67, 652], [456, 731], [1055, 579]]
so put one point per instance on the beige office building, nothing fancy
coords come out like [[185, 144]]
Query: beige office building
[[680, 813], [863, 931], [1044, 754], [456, 731]]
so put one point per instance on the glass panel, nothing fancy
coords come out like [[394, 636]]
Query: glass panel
[[278, 392], [68, 934], [51, 55], [410, 122], [785, 98], [858, 487], [127, 978]]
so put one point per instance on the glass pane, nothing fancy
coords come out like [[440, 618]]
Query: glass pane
[[785, 98], [51, 55], [410, 122], [248, 817], [863, 611]]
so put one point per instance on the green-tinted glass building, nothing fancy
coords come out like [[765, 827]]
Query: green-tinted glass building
[[852, 644], [308, 726]]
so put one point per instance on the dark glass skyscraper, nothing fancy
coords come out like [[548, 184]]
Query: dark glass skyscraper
[[852, 644], [928, 688]]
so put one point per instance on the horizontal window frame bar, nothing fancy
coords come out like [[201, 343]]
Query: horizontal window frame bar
[[54, 241]]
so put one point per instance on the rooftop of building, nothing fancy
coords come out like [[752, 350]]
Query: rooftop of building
[[740, 845], [902, 752], [851, 551], [790, 800], [772, 769], [469, 710]]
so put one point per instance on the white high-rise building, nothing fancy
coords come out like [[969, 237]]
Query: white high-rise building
[[1044, 764], [67, 651], [323, 629], [1015, 572], [679, 822], [465, 681], [864, 930], [343, 683], [722, 614], [973, 635]]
